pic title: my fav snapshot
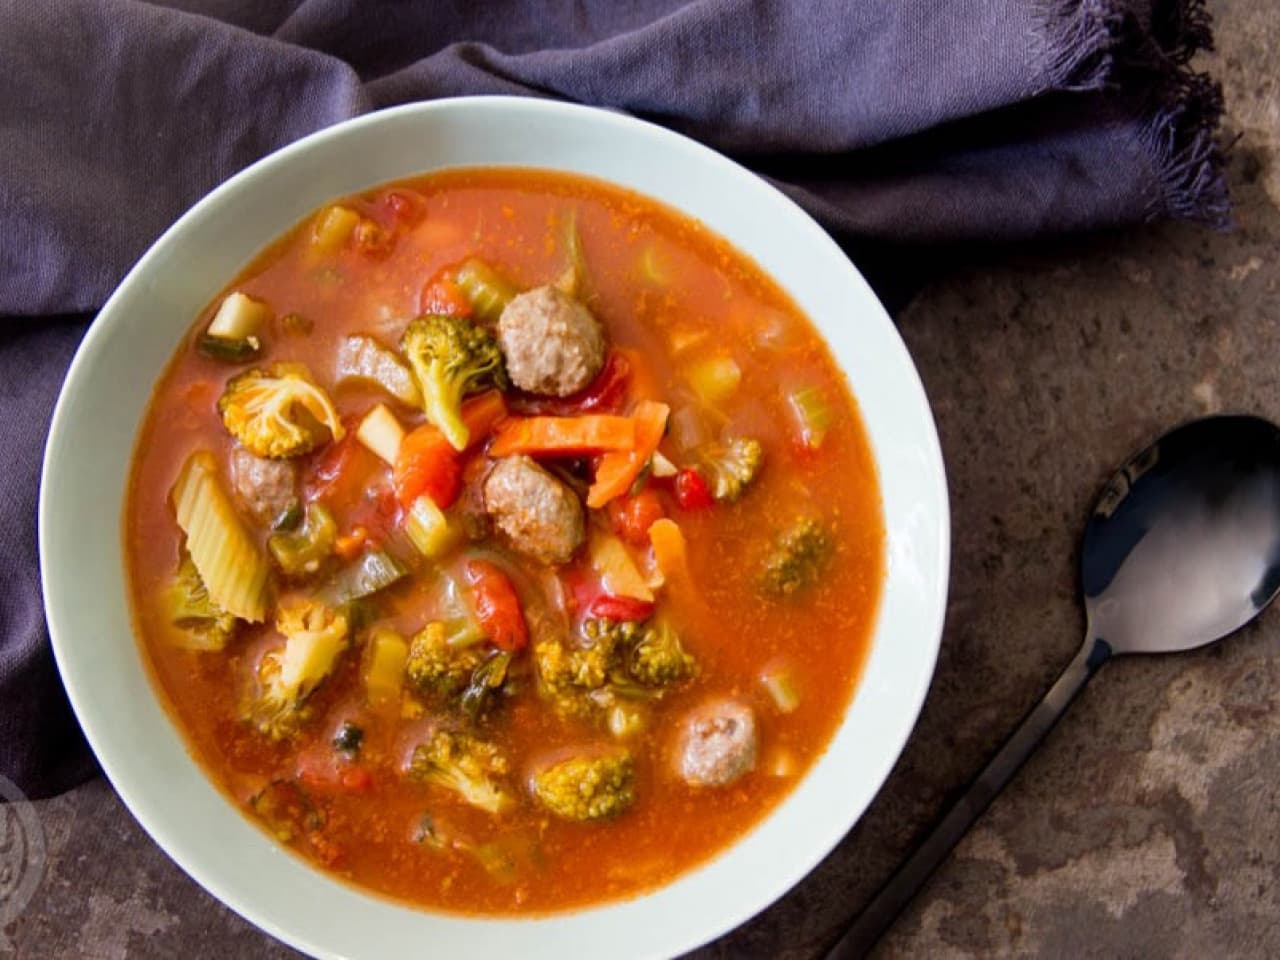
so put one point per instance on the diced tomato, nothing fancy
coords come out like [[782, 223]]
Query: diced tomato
[[631, 516], [443, 296], [497, 606], [692, 492], [342, 471], [605, 394], [404, 208], [427, 464], [377, 513], [586, 597], [371, 239], [610, 607]]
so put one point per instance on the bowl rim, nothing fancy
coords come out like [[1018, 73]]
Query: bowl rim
[[135, 795]]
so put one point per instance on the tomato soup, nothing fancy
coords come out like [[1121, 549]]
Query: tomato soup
[[504, 542]]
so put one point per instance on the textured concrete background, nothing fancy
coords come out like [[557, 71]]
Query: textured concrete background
[[1146, 826]]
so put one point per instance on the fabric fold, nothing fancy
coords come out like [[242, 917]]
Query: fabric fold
[[906, 127]]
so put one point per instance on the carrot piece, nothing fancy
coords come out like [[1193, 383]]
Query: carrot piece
[[669, 552], [481, 412], [564, 436], [618, 470]]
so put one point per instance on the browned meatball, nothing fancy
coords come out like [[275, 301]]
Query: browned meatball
[[717, 743], [266, 488], [540, 516], [551, 342]]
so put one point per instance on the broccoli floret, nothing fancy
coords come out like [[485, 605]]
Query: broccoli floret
[[315, 635], [659, 658], [452, 357], [278, 412], [204, 624], [442, 664], [587, 788], [798, 557], [623, 663], [466, 765], [731, 465], [585, 668]]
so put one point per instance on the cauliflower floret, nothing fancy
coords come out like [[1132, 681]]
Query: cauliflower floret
[[315, 636], [278, 412], [468, 766], [587, 788]]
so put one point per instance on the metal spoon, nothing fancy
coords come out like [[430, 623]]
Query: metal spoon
[[1182, 549]]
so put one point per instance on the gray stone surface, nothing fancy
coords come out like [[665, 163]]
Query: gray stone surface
[[1146, 826]]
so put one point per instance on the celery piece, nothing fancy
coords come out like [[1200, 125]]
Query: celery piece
[[302, 551], [429, 529], [780, 685], [229, 351], [812, 414], [485, 289], [374, 571], [232, 568]]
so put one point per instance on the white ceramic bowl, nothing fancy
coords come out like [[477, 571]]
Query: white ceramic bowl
[[102, 404]]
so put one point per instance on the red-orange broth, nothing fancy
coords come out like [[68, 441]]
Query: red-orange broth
[[673, 295]]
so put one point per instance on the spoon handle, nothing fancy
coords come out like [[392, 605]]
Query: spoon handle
[[912, 875]]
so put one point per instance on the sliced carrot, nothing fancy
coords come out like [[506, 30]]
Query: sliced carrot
[[564, 436], [618, 470], [481, 412]]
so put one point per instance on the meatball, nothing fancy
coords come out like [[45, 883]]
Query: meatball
[[540, 516], [717, 743], [266, 488], [551, 342]]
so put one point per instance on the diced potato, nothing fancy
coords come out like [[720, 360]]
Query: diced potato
[[618, 572], [381, 432], [662, 467], [716, 379], [334, 227], [239, 317], [388, 653]]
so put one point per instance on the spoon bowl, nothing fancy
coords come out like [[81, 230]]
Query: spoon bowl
[[1182, 548]]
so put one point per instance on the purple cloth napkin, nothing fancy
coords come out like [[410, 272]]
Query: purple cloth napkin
[[903, 125]]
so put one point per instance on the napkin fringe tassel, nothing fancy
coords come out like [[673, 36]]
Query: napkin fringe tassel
[[1101, 43]]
